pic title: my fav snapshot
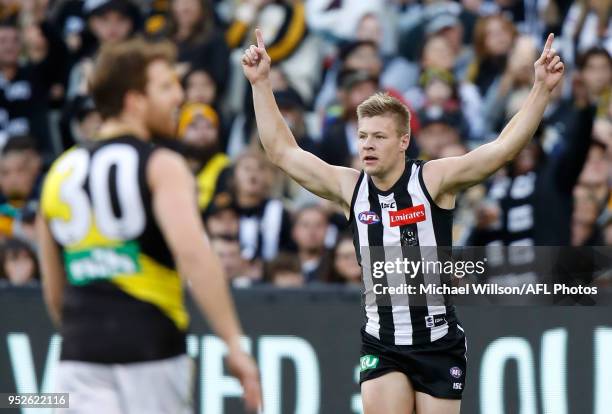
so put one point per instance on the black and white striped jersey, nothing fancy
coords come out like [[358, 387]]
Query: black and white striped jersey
[[410, 226]]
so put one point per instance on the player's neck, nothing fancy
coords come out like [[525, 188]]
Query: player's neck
[[384, 182], [123, 125]]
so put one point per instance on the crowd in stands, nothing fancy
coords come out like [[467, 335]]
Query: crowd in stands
[[463, 68]]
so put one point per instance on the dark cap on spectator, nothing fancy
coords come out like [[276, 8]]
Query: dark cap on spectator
[[438, 115], [221, 202], [288, 98], [99, 7], [349, 78], [347, 48], [440, 22]]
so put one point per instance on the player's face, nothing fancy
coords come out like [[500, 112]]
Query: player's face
[[380, 145], [163, 97]]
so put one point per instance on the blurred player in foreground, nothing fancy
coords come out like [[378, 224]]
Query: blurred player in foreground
[[413, 352], [118, 227]]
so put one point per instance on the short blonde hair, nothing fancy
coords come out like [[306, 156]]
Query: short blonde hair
[[381, 104]]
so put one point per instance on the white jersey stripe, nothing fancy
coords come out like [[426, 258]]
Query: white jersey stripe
[[371, 308], [427, 243], [393, 251]]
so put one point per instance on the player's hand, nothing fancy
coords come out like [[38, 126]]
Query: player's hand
[[549, 67], [255, 61], [243, 367]]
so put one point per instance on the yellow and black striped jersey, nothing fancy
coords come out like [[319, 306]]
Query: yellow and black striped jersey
[[124, 298]]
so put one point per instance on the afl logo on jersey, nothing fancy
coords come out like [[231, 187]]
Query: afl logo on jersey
[[368, 217], [456, 372]]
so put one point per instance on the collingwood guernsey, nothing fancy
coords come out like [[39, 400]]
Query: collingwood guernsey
[[402, 223]]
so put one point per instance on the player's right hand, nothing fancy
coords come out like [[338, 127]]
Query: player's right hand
[[255, 61], [243, 367]]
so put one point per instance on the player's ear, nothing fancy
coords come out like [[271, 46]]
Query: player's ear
[[404, 142]]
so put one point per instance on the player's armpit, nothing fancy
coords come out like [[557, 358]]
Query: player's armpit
[[327, 181]]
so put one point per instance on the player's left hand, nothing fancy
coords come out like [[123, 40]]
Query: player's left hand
[[243, 367], [549, 67]]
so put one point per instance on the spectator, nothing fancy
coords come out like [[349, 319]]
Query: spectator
[[221, 218], [228, 251], [200, 87], [339, 142], [23, 93], [595, 71], [289, 45], [19, 264], [493, 40], [440, 128], [586, 210], [535, 181], [517, 77], [108, 22], [199, 131], [20, 167], [587, 24], [191, 25], [345, 268], [284, 271], [265, 225], [80, 121], [309, 230]]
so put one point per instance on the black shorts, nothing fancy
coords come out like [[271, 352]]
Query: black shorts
[[437, 368]]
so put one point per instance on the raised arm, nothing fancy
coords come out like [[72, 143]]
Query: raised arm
[[445, 177], [327, 181]]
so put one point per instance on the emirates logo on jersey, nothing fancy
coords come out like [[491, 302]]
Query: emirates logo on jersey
[[406, 216]]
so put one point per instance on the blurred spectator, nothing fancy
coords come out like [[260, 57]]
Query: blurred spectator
[[108, 22], [339, 142], [288, 43], [284, 271], [607, 230], [221, 218], [587, 24], [516, 78], [80, 120], [191, 25], [228, 250], [517, 207], [586, 210], [199, 131], [345, 268], [265, 225], [493, 40], [23, 91], [440, 128], [365, 55], [19, 264], [20, 167], [595, 72], [309, 230], [200, 87]]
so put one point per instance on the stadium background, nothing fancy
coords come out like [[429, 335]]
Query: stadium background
[[463, 67]]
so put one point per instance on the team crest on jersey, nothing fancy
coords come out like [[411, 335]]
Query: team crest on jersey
[[406, 216], [368, 217]]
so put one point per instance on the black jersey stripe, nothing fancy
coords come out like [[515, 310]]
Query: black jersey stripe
[[375, 237], [420, 333]]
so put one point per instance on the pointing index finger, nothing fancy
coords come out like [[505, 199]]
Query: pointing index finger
[[260, 41], [548, 44]]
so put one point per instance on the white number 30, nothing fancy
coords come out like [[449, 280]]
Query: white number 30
[[131, 222]]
